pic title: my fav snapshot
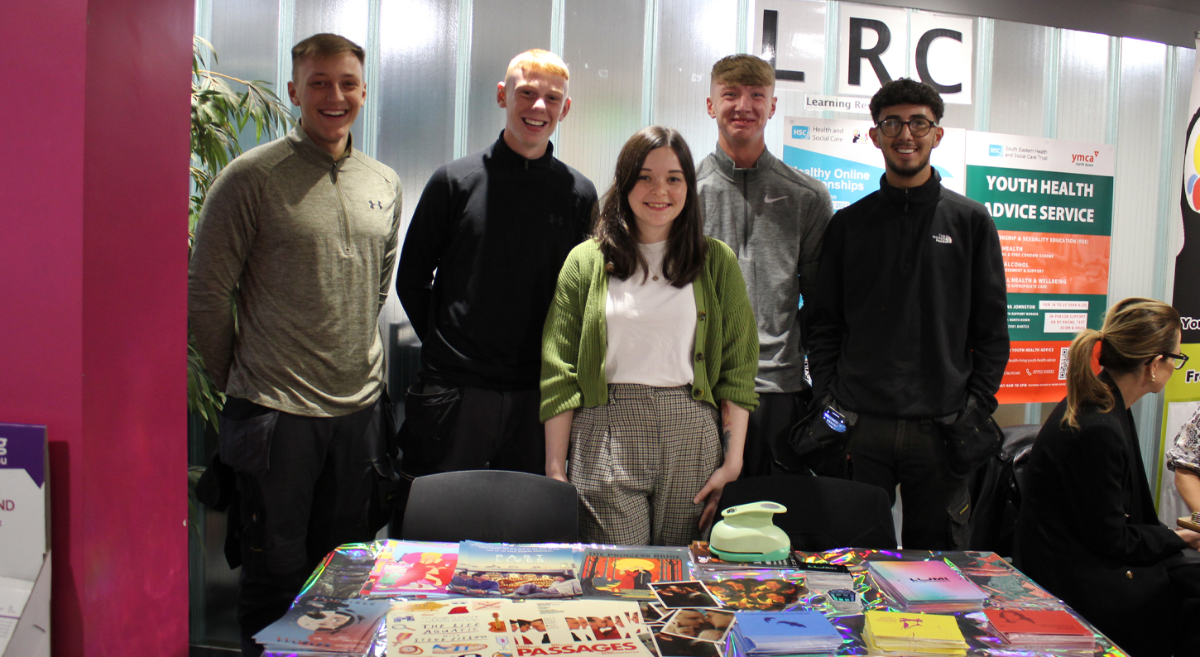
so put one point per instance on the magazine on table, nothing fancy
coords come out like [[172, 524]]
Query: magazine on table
[[411, 568], [616, 572], [526, 628], [320, 624], [502, 569]]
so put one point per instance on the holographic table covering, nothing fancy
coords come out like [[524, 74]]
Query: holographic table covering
[[345, 570]]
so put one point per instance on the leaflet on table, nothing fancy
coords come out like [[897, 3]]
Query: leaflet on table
[[628, 572], [785, 633], [320, 624], [533, 628], [343, 571], [909, 633], [926, 582], [411, 567], [753, 593], [495, 569]]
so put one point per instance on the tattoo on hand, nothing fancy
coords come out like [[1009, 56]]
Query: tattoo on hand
[[725, 436]]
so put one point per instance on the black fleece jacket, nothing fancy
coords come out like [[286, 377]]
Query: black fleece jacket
[[496, 227], [910, 312]]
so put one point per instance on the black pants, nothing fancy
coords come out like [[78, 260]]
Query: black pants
[[768, 429], [912, 453], [448, 428], [308, 485]]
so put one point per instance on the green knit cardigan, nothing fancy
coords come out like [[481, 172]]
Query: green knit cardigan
[[574, 340]]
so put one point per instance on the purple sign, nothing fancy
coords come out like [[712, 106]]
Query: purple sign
[[23, 446]]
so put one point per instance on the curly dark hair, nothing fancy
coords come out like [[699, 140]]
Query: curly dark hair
[[906, 91], [617, 231]]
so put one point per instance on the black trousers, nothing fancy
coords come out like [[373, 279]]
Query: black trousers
[[448, 428], [307, 485], [768, 429], [912, 453]]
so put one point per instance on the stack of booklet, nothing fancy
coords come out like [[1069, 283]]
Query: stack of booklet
[[1044, 630], [784, 633], [931, 586], [319, 624], [904, 633]]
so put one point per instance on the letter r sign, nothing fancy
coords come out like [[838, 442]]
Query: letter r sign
[[879, 44]]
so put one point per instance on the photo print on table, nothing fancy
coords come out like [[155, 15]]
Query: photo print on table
[[677, 595], [700, 624]]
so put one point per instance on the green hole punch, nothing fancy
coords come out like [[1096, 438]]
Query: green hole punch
[[747, 534]]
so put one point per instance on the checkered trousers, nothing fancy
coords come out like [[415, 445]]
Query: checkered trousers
[[638, 463]]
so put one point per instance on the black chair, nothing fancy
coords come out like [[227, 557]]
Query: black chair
[[822, 512], [996, 489], [496, 506]]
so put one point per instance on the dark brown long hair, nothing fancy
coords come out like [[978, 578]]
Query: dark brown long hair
[[617, 230], [1135, 332]]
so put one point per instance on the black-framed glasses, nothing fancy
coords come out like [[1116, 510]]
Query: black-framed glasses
[[917, 127], [1180, 359]]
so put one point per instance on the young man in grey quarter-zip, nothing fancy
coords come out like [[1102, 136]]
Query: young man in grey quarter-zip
[[773, 217], [304, 229]]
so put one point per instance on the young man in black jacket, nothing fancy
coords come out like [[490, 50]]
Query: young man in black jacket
[[496, 227], [909, 326]]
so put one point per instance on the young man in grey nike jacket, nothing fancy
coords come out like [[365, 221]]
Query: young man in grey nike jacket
[[773, 217]]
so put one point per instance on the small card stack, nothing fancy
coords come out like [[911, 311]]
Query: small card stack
[[904, 633], [758, 633], [930, 586], [1044, 630]]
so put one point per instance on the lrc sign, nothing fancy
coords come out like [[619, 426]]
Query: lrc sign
[[879, 44]]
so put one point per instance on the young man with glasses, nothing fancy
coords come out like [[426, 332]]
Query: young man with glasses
[[909, 327]]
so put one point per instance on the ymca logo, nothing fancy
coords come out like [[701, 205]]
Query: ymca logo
[[799, 132], [375, 205], [995, 150], [1083, 159]]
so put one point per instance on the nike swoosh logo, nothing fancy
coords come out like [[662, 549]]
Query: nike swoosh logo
[[768, 199]]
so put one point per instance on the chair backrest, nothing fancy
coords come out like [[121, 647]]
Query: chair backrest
[[496, 506], [996, 492], [822, 512]]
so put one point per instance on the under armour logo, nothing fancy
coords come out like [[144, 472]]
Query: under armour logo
[[375, 205]]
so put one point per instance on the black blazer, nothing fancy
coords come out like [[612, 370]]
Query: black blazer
[[1089, 533]]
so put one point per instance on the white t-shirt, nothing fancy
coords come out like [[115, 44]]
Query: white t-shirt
[[651, 327]]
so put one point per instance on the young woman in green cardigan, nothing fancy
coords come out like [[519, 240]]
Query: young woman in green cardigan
[[648, 357]]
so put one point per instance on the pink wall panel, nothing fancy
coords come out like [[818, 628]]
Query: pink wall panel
[[93, 203]]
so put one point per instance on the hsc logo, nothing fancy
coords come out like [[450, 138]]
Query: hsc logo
[[799, 132], [995, 150]]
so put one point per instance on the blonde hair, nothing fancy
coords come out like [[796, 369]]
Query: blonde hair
[[540, 61], [744, 70], [1135, 332]]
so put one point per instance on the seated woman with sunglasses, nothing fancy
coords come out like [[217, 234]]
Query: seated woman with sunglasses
[[1088, 530]]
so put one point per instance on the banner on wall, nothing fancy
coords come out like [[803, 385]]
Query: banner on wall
[[839, 153], [1182, 394], [1052, 204]]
